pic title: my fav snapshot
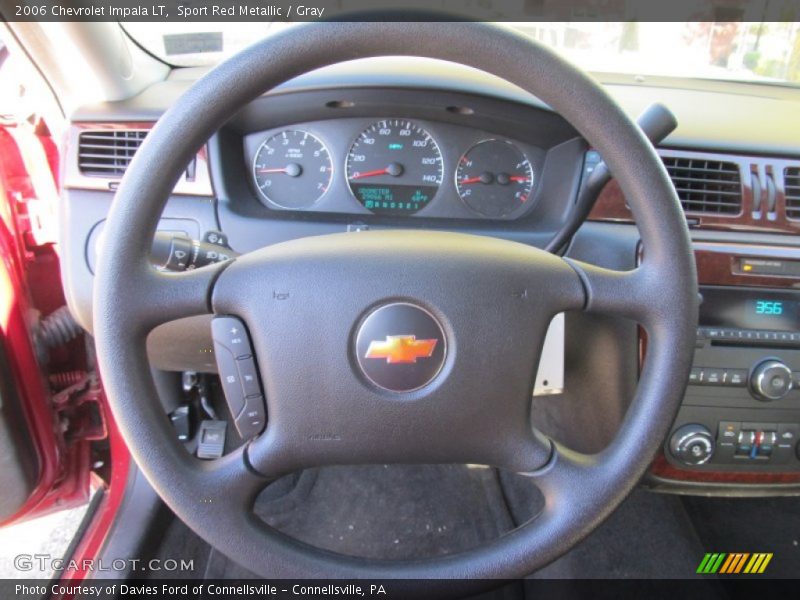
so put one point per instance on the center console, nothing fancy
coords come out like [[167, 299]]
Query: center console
[[740, 418], [738, 427]]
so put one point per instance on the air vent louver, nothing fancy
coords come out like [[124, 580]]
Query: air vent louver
[[108, 153], [791, 186], [706, 186]]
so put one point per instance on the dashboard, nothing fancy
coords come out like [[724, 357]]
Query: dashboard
[[386, 144], [385, 157], [394, 167]]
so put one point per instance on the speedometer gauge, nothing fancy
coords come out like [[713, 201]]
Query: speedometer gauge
[[292, 169], [494, 178], [394, 168]]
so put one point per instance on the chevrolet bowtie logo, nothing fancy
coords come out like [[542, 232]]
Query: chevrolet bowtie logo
[[401, 349]]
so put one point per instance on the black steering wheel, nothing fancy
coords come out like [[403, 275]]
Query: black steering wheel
[[306, 302]]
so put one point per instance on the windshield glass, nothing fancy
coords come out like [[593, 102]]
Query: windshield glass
[[754, 52]]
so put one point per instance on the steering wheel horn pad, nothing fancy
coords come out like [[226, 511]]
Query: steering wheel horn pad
[[303, 302], [494, 299]]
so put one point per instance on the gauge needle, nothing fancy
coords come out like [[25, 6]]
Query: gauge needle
[[501, 178], [374, 173], [292, 170], [394, 169]]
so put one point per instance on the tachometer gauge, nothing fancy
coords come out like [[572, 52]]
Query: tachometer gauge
[[292, 169], [394, 168], [494, 178]]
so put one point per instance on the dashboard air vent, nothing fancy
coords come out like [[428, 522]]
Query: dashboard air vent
[[706, 186], [791, 186], [107, 153]]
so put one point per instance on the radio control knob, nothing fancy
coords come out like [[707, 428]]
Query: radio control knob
[[771, 380], [692, 444]]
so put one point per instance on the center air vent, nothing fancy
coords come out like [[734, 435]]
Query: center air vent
[[706, 186], [107, 153], [791, 186]]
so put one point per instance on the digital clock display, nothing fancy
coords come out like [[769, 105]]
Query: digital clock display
[[768, 307], [750, 309]]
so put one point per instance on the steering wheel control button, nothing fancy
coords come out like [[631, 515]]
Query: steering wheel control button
[[229, 378], [248, 376], [400, 347], [238, 374], [231, 333], [252, 419], [692, 445]]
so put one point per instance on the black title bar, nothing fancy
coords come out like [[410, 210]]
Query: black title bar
[[401, 10]]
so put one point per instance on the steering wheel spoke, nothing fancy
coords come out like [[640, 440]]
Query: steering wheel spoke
[[626, 294], [163, 296], [227, 483]]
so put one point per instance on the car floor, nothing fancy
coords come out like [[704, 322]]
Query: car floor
[[396, 512]]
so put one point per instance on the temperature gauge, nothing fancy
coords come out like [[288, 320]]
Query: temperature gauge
[[494, 178]]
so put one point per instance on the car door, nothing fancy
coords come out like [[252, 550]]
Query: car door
[[44, 451]]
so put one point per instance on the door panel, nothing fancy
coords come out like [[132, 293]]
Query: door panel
[[19, 466], [42, 466]]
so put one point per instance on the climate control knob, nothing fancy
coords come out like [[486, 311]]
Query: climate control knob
[[692, 444], [770, 380]]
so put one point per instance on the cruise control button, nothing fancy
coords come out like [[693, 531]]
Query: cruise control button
[[248, 376], [233, 351], [231, 333], [229, 377], [252, 418]]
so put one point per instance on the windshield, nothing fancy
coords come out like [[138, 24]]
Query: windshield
[[754, 52]]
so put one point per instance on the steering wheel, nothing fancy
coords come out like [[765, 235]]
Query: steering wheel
[[308, 303]]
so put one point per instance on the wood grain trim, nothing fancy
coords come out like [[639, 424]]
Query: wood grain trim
[[200, 185], [665, 470], [717, 265], [611, 205]]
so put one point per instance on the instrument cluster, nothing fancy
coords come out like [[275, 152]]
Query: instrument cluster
[[393, 167]]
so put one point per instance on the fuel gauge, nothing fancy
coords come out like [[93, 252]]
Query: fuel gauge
[[494, 178]]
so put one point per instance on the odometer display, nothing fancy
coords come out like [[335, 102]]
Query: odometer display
[[394, 168]]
